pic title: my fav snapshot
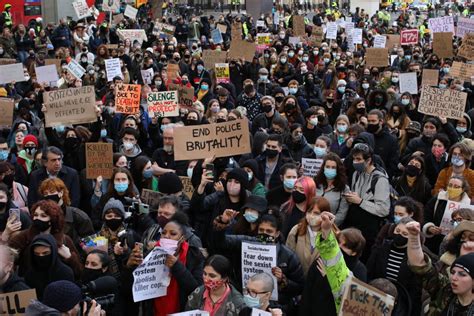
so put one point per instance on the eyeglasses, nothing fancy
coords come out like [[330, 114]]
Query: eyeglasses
[[252, 293]]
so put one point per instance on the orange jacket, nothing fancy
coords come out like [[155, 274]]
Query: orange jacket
[[445, 175]]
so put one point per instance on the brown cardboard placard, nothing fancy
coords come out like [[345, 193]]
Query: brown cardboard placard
[[127, 98], [6, 111], [376, 57], [392, 40], [466, 50], [185, 95], [172, 71], [462, 71], [242, 49], [236, 31], [442, 102], [443, 44], [15, 303], [7, 61], [188, 188], [430, 77], [99, 160], [298, 25], [212, 57], [152, 198]]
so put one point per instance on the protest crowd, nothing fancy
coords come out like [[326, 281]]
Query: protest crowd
[[310, 160]]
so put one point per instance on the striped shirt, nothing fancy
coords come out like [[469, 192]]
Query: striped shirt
[[394, 262]]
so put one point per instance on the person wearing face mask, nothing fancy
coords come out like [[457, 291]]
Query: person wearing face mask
[[255, 186], [246, 223], [270, 161], [257, 294], [264, 85], [397, 121], [130, 147], [457, 191], [458, 239], [390, 261], [430, 127], [263, 121], [291, 111], [340, 135], [282, 193], [377, 100], [142, 172], [250, 99], [437, 159], [311, 130], [198, 73], [463, 127], [204, 92], [413, 182], [320, 150], [296, 143], [284, 70], [26, 157]]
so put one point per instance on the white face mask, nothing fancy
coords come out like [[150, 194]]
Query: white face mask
[[127, 145]]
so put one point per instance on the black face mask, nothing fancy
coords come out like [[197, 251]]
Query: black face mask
[[53, 197], [89, 275], [399, 241], [378, 99], [113, 224], [298, 197], [373, 128], [220, 120], [8, 180], [43, 262], [360, 110], [271, 153], [412, 170], [71, 142], [350, 260], [248, 88], [191, 122], [2, 205], [267, 108], [162, 221], [41, 225], [279, 99]]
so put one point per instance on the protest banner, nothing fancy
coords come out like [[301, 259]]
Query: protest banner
[[110, 5], [47, 74], [164, 28], [117, 18], [7, 61], [464, 26], [99, 160], [258, 258], [442, 102], [408, 82], [377, 57], [331, 30], [70, 106], [357, 36], [442, 24], [222, 73], [112, 68], [152, 198], [130, 12], [163, 104], [409, 37], [298, 25], [152, 277], [53, 61], [195, 312], [11, 72], [15, 303], [219, 140], [430, 77], [217, 36], [147, 75], [393, 40], [75, 69], [133, 35], [362, 299], [127, 98], [311, 166], [264, 39], [242, 49], [259, 312], [446, 224], [185, 95], [443, 44], [461, 71], [466, 50], [222, 28], [380, 41], [6, 112], [81, 8], [317, 35], [188, 188], [212, 57], [172, 70]]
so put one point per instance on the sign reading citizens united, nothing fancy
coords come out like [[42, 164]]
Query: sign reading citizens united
[[220, 139]]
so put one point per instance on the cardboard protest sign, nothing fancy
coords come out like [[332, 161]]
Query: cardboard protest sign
[[317, 35], [212, 57], [188, 188], [111, 46], [242, 49], [195, 312], [152, 277], [466, 50], [127, 98], [377, 57], [446, 225], [442, 102], [380, 41], [464, 26], [442, 24], [222, 28], [99, 160], [11, 72], [258, 258], [130, 12], [75, 69], [152, 198], [167, 29], [298, 25], [117, 18], [311, 166], [331, 30], [185, 95], [408, 82], [7, 61], [53, 61], [112, 68], [236, 31], [393, 40], [81, 8], [220, 139], [47, 74], [362, 299], [70, 106], [462, 71], [163, 104], [409, 37], [15, 303], [216, 36], [6, 111], [172, 70], [264, 39], [443, 44], [147, 75], [133, 35], [110, 5], [430, 77], [222, 73]]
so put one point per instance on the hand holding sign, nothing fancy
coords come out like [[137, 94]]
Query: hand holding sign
[[170, 261]]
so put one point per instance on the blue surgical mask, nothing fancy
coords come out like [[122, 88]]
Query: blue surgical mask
[[342, 128], [147, 174], [289, 184], [200, 68], [405, 101], [60, 128], [189, 172], [365, 86], [446, 70], [121, 187], [319, 152], [461, 130], [455, 224], [330, 174], [103, 133], [250, 176], [341, 89], [252, 302], [442, 86], [457, 161], [292, 90], [251, 218], [305, 59], [162, 127], [204, 87], [326, 60], [396, 219], [263, 77], [4, 155]]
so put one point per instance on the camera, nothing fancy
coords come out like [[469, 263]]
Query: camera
[[136, 207], [99, 290]]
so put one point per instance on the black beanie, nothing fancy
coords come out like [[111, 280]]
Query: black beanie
[[240, 175], [251, 164], [169, 183], [466, 263]]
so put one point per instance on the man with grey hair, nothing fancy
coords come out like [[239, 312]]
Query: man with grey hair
[[163, 158], [257, 295], [9, 280], [263, 121]]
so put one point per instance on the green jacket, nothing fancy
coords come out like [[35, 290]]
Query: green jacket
[[259, 190]]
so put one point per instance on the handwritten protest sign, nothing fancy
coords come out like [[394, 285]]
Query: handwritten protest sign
[[172, 70], [47, 74], [466, 50], [242, 49], [331, 30], [15, 303], [362, 299], [393, 40], [442, 24], [464, 26], [443, 44], [127, 98], [216, 36], [298, 25], [430, 77], [220, 139], [70, 106], [6, 111], [185, 95], [377, 57], [99, 160], [147, 75], [462, 71], [188, 188], [409, 37], [222, 28], [152, 198], [130, 12], [167, 29], [258, 258], [152, 277], [380, 41], [222, 73], [195, 312], [7, 61], [11, 72], [264, 39], [317, 35], [311, 166], [163, 104], [408, 82], [357, 36], [442, 102], [212, 57], [133, 35], [236, 31], [118, 18], [446, 225], [81, 8], [110, 5], [75, 69], [112, 68]]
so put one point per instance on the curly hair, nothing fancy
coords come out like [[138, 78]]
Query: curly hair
[[55, 184], [53, 210]]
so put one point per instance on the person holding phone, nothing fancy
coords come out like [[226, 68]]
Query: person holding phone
[[11, 218]]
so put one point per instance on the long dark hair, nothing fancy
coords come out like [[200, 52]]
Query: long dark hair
[[419, 185], [340, 181], [131, 184], [136, 170]]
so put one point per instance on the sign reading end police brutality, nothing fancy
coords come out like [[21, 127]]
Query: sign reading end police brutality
[[203, 141], [442, 102]]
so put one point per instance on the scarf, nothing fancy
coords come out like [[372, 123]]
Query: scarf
[[170, 303]]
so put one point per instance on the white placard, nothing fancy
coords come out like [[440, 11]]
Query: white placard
[[147, 75], [295, 40], [259, 312], [130, 12], [258, 258], [260, 23], [331, 32], [446, 225], [311, 166], [47, 74], [380, 41], [195, 312], [464, 26], [75, 69], [11, 72], [152, 277], [349, 26], [112, 68], [408, 82], [442, 24], [111, 5], [81, 8], [357, 36]]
